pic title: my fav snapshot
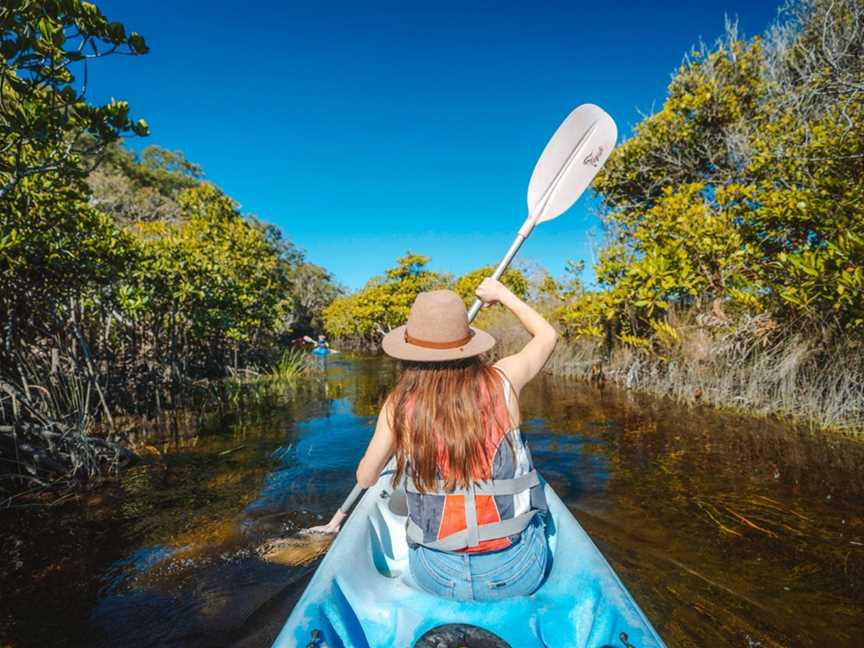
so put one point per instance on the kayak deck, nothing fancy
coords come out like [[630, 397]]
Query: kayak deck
[[363, 595]]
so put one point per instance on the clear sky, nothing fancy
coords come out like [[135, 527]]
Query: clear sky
[[367, 129]]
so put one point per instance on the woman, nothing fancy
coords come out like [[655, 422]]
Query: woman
[[475, 505]]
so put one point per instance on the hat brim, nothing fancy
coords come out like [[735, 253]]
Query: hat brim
[[395, 346]]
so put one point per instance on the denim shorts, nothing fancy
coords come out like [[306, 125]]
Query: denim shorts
[[517, 570]]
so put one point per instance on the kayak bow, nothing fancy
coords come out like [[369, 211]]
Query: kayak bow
[[363, 596]]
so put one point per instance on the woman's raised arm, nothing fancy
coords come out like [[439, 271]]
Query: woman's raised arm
[[521, 367]]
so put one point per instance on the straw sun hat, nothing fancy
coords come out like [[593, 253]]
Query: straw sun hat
[[437, 330]]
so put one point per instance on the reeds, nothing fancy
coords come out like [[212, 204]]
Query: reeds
[[750, 366], [284, 374], [47, 420], [290, 367]]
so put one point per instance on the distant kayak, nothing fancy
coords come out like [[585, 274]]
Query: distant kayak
[[363, 595], [321, 351]]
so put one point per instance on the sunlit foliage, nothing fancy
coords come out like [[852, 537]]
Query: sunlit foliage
[[513, 278], [384, 302], [46, 122], [206, 280], [745, 193], [363, 317]]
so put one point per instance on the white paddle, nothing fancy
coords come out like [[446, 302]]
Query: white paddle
[[566, 167], [568, 164]]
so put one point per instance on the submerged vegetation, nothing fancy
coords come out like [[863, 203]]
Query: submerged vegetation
[[127, 281]]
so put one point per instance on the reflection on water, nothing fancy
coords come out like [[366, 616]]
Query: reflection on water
[[727, 532], [319, 461]]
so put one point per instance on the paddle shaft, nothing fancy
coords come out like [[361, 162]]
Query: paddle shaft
[[514, 248], [349, 501]]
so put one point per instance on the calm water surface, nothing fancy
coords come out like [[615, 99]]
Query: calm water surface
[[727, 532]]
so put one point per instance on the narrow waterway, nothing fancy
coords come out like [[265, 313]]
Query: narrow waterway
[[726, 531]]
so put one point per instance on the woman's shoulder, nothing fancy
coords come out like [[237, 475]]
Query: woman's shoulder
[[506, 383], [511, 396]]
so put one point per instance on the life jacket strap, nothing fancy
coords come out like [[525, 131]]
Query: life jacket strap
[[471, 528], [483, 487], [465, 538]]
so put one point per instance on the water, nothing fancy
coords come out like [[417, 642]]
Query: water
[[726, 531]]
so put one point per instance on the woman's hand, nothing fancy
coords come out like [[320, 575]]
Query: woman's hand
[[330, 528], [491, 291]]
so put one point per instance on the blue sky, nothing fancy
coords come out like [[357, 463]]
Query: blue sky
[[367, 129]]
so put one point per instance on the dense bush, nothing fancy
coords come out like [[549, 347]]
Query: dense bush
[[151, 263], [745, 193], [124, 278], [362, 318]]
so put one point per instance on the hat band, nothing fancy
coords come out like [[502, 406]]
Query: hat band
[[428, 344]]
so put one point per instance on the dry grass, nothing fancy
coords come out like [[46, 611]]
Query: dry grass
[[748, 366]]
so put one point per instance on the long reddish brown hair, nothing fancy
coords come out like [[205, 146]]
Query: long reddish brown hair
[[440, 412]]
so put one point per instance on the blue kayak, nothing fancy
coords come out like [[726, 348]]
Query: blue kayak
[[321, 351], [363, 596]]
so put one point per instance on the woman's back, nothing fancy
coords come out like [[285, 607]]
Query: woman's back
[[440, 511], [476, 507]]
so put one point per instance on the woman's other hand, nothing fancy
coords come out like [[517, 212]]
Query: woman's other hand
[[330, 528]]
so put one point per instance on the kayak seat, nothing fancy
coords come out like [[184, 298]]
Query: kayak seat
[[387, 533]]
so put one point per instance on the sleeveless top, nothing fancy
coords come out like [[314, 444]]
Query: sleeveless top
[[491, 513]]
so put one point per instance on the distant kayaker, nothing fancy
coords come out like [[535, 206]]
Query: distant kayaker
[[321, 344], [476, 509]]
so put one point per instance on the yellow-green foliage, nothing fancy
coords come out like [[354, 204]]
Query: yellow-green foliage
[[513, 278], [666, 334], [384, 302], [810, 218], [746, 191], [588, 315], [210, 270], [54, 245], [680, 249]]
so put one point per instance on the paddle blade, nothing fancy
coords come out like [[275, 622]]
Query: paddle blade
[[568, 164]]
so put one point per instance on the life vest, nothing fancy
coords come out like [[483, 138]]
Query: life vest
[[491, 513]]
